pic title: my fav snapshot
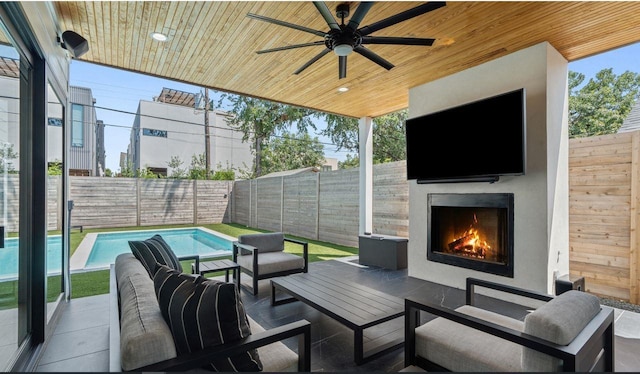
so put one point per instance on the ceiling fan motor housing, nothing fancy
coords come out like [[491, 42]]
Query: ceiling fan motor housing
[[335, 37]]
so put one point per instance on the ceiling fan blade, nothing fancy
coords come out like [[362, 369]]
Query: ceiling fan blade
[[327, 15], [396, 40], [373, 57], [402, 16], [316, 58], [342, 67], [319, 42], [286, 24], [358, 15]]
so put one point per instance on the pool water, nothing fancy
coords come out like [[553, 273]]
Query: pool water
[[9, 256], [183, 242]]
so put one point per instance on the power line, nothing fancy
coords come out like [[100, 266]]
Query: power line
[[106, 124]]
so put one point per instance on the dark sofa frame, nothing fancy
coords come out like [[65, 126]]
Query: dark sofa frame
[[300, 329], [255, 275], [591, 350]]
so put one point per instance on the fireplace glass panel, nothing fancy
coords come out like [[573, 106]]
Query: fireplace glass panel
[[471, 232], [474, 231]]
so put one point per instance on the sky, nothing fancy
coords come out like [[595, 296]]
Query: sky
[[118, 92]]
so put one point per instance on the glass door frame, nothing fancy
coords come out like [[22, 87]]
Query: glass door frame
[[32, 288]]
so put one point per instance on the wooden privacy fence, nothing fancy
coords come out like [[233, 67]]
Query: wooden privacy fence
[[604, 203], [324, 206], [119, 202]]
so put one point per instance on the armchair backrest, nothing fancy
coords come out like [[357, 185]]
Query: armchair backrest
[[558, 321], [267, 242]]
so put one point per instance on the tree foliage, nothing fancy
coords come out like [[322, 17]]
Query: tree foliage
[[7, 159], [600, 106], [290, 151], [260, 120], [389, 143]]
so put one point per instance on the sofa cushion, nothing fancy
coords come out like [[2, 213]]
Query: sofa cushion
[[461, 348], [272, 262], [265, 242], [154, 250], [558, 321], [145, 337], [202, 313]]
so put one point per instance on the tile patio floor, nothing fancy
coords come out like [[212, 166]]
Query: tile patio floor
[[81, 340]]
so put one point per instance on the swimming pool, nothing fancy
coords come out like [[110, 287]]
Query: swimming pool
[[191, 241], [9, 257]]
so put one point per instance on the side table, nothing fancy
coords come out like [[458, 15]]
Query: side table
[[221, 265]]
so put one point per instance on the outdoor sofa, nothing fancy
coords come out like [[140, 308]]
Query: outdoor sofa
[[141, 340], [570, 332]]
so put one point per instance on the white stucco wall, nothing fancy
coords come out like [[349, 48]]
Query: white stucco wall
[[185, 137], [540, 196]]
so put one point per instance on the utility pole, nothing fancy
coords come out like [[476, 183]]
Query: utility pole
[[207, 141]]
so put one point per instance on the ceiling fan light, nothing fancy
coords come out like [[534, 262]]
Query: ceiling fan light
[[343, 49]]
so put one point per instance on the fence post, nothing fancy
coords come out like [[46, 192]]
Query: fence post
[[317, 206], [195, 201], [138, 202], [282, 204], [634, 221]]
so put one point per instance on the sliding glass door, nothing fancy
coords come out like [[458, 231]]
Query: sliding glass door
[[10, 107]]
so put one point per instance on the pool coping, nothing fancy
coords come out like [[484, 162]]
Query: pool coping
[[81, 255]]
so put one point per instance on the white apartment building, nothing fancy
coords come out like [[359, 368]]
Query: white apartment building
[[86, 154], [171, 126]]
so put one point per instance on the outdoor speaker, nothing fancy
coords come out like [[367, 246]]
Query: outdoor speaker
[[74, 43]]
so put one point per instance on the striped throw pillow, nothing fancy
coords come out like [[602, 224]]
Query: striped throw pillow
[[203, 313], [154, 251]]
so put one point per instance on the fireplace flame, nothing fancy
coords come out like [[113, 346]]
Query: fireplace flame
[[470, 243]]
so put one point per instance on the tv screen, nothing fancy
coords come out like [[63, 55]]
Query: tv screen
[[481, 140]]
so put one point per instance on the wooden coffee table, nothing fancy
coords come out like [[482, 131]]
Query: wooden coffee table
[[353, 305]]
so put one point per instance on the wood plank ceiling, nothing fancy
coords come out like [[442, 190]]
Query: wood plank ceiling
[[213, 44]]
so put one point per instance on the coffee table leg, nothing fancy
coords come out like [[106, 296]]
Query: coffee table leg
[[358, 346], [226, 276]]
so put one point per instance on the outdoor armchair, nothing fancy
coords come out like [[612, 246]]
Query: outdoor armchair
[[570, 332], [262, 256]]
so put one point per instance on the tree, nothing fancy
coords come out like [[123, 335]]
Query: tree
[[350, 162], [260, 119], [7, 157], [177, 172], [223, 174], [601, 105], [290, 151], [389, 143], [54, 168]]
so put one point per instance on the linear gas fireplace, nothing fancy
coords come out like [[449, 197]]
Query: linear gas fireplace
[[473, 231]]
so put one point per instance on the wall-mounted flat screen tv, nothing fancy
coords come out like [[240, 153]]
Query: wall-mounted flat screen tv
[[478, 141]]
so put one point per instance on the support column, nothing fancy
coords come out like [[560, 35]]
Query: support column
[[365, 139]]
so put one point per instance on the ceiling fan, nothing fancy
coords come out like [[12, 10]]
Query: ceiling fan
[[343, 39]]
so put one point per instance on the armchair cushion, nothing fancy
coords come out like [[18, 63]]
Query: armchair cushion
[[203, 313], [154, 250], [265, 242], [272, 262], [456, 347], [558, 321]]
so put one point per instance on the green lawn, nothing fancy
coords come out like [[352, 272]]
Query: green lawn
[[97, 282]]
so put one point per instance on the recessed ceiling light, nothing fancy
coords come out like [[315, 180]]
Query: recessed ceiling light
[[343, 89], [159, 36]]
